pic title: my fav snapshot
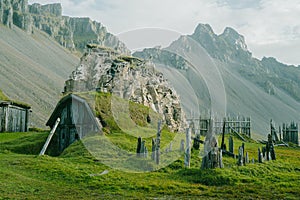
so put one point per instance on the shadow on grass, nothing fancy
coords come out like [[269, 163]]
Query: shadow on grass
[[208, 177], [31, 144]]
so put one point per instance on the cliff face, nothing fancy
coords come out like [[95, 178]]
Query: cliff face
[[130, 78], [72, 33]]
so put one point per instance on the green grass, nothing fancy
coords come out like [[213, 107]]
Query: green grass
[[24, 175], [3, 97], [119, 115], [25, 143], [75, 174]]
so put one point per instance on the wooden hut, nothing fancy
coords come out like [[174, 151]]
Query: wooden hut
[[13, 117], [77, 120]]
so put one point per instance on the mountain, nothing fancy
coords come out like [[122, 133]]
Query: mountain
[[70, 32], [217, 74], [39, 49]]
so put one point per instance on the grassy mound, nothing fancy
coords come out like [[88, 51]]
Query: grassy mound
[[119, 115], [23, 143]]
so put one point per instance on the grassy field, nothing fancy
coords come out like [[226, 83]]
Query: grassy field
[[76, 174]]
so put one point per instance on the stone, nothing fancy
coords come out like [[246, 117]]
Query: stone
[[158, 135], [170, 147], [230, 141], [221, 159], [211, 156], [243, 146], [264, 150], [196, 144], [260, 156], [139, 145], [146, 152], [142, 150], [270, 148], [181, 146], [253, 161], [247, 158], [153, 153], [240, 156]]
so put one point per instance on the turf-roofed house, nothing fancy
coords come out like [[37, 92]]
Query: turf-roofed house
[[14, 116], [76, 121]]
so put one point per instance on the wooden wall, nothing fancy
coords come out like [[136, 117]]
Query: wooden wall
[[13, 118], [76, 122]]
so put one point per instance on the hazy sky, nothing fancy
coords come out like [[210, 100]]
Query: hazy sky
[[270, 27]]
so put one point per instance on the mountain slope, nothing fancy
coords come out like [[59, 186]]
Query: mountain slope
[[215, 72], [70, 32], [33, 69], [34, 61]]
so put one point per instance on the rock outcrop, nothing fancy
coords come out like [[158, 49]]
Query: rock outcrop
[[131, 78], [72, 33]]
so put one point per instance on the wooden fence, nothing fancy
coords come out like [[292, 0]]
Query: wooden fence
[[239, 125]]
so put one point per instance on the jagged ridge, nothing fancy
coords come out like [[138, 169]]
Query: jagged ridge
[[71, 32]]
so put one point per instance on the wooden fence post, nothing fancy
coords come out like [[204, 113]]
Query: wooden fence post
[[158, 142]]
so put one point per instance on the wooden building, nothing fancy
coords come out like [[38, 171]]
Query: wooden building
[[77, 120], [14, 117]]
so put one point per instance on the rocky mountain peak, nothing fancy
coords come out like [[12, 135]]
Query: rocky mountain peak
[[204, 32], [234, 38], [204, 29], [228, 46]]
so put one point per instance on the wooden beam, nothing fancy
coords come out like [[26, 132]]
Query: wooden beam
[[49, 137]]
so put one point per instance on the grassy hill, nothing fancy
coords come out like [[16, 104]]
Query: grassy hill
[[33, 69], [75, 174]]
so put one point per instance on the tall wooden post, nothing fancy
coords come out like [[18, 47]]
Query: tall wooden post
[[158, 142], [187, 155], [223, 135]]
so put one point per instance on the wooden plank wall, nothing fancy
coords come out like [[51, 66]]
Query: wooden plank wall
[[76, 122], [13, 119]]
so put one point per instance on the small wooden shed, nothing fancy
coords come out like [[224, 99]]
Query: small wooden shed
[[14, 117], [77, 120]]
